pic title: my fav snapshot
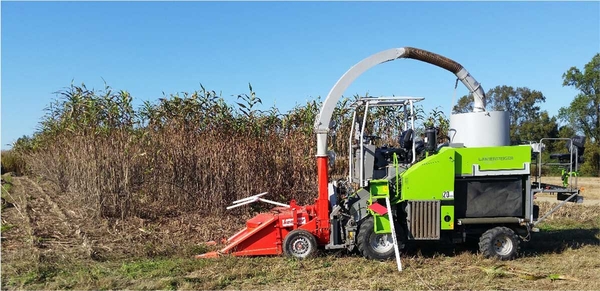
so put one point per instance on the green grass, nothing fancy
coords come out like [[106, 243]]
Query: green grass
[[135, 274], [565, 224], [7, 187], [12, 162], [7, 184], [6, 227], [7, 178]]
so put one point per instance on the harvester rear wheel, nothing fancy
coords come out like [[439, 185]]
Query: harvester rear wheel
[[299, 244], [375, 246], [499, 242]]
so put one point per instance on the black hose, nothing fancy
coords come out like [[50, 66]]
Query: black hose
[[433, 58]]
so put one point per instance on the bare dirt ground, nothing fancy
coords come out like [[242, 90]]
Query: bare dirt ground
[[48, 242]]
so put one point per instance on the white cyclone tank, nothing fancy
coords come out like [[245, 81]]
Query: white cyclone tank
[[480, 129]]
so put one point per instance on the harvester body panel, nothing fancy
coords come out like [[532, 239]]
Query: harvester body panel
[[503, 158], [430, 179]]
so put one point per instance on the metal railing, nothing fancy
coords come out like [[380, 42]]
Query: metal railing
[[406, 102], [573, 162]]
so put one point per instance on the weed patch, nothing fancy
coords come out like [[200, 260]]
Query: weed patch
[[6, 227], [12, 162]]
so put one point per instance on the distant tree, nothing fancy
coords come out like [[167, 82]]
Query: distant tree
[[566, 131], [464, 105], [561, 146], [534, 130], [527, 121], [583, 114]]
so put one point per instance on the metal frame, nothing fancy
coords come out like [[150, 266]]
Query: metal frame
[[554, 209], [407, 102], [253, 199], [572, 189], [572, 150]]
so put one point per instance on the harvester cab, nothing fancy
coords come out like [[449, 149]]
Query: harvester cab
[[475, 186], [366, 160]]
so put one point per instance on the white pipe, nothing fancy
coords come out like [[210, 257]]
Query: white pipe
[[405, 117], [412, 124], [350, 150], [321, 144], [393, 229], [322, 121], [362, 150], [273, 202], [249, 198], [475, 88], [242, 203]]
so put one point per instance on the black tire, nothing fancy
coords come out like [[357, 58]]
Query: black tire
[[499, 242], [376, 246], [299, 244]]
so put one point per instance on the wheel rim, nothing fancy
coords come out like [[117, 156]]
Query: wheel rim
[[300, 246], [503, 245], [381, 243]]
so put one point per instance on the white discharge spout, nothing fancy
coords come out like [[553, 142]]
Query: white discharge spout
[[324, 117]]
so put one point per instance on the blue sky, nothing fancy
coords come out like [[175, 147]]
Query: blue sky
[[291, 52]]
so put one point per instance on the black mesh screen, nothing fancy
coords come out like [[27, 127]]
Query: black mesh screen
[[490, 197]]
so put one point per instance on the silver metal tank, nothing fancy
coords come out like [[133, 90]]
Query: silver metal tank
[[480, 129]]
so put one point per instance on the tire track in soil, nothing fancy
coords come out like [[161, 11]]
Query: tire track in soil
[[18, 241], [53, 230]]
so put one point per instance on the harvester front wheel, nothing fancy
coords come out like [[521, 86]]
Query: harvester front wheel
[[499, 242], [299, 244], [373, 245]]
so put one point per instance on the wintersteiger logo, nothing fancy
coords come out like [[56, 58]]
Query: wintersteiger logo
[[492, 159]]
